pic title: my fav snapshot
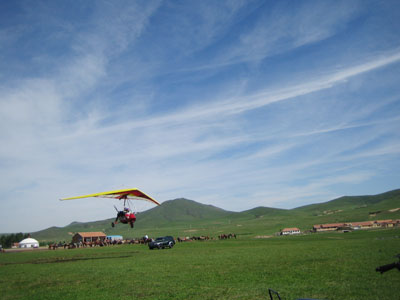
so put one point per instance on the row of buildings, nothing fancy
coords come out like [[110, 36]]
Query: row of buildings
[[356, 225], [345, 226]]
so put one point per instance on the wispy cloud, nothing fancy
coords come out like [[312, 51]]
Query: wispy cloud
[[218, 108], [276, 32]]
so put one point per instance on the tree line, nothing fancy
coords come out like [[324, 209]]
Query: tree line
[[7, 240]]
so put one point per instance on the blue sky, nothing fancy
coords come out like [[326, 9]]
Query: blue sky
[[232, 103]]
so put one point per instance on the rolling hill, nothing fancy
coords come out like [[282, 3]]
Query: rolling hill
[[183, 217], [180, 210], [384, 200]]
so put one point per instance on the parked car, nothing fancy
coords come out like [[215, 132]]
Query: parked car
[[162, 242]]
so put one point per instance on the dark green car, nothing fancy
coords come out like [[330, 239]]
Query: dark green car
[[162, 242]]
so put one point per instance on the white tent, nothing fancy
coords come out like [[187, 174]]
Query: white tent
[[29, 243]]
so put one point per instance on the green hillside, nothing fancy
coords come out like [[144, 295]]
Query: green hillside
[[384, 201], [261, 211], [180, 211], [354, 208], [182, 217]]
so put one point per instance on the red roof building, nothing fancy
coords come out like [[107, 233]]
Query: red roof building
[[385, 223], [329, 227], [88, 237], [362, 225]]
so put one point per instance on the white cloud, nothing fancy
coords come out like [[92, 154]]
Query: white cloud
[[218, 108], [280, 30]]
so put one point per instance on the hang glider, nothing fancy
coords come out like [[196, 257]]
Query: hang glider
[[126, 194]]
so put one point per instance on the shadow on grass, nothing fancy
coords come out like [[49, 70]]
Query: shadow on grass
[[62, 260]]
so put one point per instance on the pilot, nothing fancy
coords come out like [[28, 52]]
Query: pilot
[[127, 212]]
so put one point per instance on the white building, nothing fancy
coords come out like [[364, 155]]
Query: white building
[[29, 243], [293, 230]]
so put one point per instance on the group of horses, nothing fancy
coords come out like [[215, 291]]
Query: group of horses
[[227, 236], [193, 238], [206, 238], [143, 240], [98, 243]]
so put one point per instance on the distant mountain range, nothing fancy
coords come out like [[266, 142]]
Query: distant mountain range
[[183, 217]]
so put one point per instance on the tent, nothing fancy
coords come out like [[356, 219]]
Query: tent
[[114, 237], [29, 243]]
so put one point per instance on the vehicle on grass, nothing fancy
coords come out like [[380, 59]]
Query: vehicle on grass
[[162, 242], [125, 216]]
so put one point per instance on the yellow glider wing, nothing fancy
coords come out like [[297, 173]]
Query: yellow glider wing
[[131, 194]]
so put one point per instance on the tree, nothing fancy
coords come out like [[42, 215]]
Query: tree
[[7, 240]]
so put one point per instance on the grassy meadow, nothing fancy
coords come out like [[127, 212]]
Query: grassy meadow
[[324, 266]]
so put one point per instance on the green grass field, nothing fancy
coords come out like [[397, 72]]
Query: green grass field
[[325, 266]]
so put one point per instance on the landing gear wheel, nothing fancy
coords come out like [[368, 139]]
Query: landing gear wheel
[[131, 224], [112, 224]]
